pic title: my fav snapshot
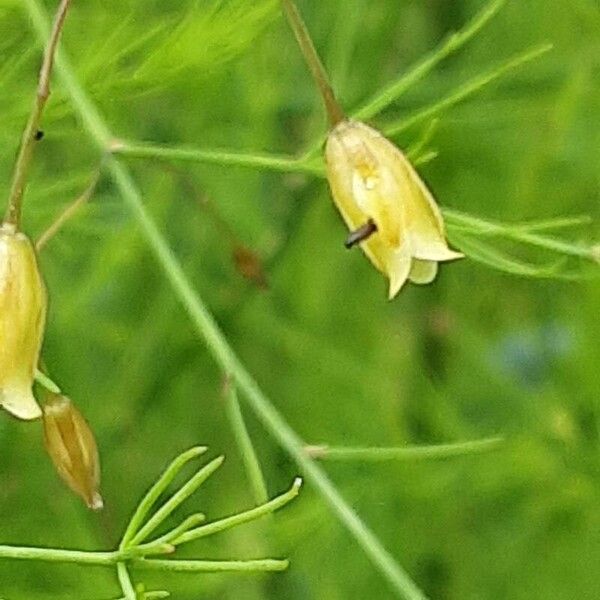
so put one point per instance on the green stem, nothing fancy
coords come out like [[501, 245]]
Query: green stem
[[167, 539], [28, 141], [272, 162], [406, 453], [515, 232], [392, 92], [210, 332], [125, 581], [466, 90], [180, 496], [156, 490], [211, 566], [317, 70], [60, 556], [68, 213], [245, 445], [241, 518], [46, 382]]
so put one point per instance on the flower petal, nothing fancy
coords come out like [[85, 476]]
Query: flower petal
[[20, 403], [398, 269], [424, 219], [423, 271]]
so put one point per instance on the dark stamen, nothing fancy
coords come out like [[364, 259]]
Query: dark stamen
[[364, 232]]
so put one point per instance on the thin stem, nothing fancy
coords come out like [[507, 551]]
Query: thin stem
[[156, 490], [59, 556], [209, 331], [272, 162], [68, 213], [417, 148], [517, 233], [46, 382], [212, 566], [244, 443], [467, 89], [189, 523], [392, 92], [125, 581], [241, 518], [397, 88], [556, 223], [151, 595], [334, 111], [28, 141], [406, 453], [180, 496]]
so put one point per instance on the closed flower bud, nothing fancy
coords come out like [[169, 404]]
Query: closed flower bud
[[386, 205], [72, 448], [22, 321]]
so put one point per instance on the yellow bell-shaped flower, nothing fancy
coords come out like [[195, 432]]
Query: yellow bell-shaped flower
[[386, 205], [22, 319]]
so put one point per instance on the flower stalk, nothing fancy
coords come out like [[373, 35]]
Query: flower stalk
[[334, 111], [32, 129]]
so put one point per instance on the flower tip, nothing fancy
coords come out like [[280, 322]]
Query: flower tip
[[455, 255], [397, 282], [20, 404], [96, 503]]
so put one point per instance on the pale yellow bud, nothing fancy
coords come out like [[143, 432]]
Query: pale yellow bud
[[22, 320], [373, 182], [72, 448]]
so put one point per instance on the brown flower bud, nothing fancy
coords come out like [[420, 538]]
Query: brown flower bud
[[72, 448], [22, 320]]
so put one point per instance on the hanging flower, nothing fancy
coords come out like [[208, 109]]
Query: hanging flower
[[386, 205], [22, 319], [72, 448]]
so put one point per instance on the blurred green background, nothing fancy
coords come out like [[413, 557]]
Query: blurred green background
[[478, 353]]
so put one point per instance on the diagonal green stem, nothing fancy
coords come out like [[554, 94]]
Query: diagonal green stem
[[28, 141], [393, 91], [467, 89], [156, 490], [209, 331], [245, 445], [241, 518], [517, 233], [180, 496], [332, 107]]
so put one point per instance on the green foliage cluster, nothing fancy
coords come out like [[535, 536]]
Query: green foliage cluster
[[482, 352]]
